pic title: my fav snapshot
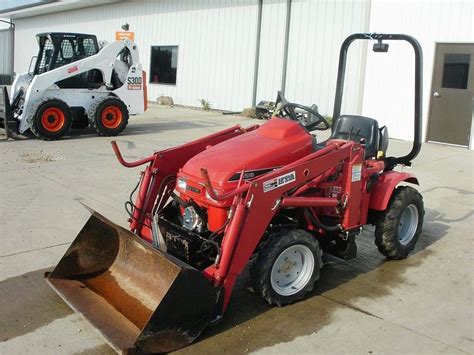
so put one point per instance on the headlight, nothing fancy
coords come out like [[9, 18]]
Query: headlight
[[191, 220], [182, 183]]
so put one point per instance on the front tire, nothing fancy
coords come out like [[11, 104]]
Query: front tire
[[111, 117], [398, 228], [287, 267], [52, 119]]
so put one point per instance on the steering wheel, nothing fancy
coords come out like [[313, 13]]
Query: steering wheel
[[289, 109]]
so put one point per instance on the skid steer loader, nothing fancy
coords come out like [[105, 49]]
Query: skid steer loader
[[206, 209], [75, 83]]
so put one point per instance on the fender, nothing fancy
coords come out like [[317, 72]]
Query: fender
[[383, 189]]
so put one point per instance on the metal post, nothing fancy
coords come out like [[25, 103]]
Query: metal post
[[12, 54], [287, 43], [257, 53]]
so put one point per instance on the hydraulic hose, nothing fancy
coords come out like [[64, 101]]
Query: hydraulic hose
[[319, 224]]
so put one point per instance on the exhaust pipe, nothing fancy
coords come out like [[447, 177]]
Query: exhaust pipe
[[138, 297]]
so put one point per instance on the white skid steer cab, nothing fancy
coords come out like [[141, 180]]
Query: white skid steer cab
[[74, 83]]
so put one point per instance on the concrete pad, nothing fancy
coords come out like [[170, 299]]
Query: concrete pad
[[423, 304]]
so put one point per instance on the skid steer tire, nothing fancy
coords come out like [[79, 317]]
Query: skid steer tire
[[398, 228], [286, 267], [110, 116], [52, 119]]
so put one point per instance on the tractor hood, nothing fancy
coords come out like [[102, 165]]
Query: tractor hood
[[276, 143]]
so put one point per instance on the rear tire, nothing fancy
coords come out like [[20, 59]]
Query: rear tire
[[110, 117], [287, 267], [52, 119], [398, 228]]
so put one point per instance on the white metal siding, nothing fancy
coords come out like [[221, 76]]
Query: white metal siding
[[216, 40], [389, 87], [318, 29], [5, 53], [272, 43]]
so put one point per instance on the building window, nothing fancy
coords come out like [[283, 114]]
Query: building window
[[163, 64], [456, 71]]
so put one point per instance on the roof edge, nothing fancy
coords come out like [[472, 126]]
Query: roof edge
[[52, 6]]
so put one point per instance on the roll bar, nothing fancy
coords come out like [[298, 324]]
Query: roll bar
[[380, 47]]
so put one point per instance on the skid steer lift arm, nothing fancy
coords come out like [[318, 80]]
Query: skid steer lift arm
[[6, 114]]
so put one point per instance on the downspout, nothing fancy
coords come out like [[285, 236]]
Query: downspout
[[12, 56], [257, 53], [287, 43]]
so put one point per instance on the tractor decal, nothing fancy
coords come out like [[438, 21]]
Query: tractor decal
[[356, 172], [279, 181], [134, 83], [249, 174]]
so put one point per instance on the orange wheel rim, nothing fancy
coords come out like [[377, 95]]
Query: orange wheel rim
[[53, 119], [111, 117]]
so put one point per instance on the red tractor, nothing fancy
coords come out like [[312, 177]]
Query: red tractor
[[268, 196]]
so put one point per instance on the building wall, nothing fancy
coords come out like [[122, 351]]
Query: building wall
[[317, 30], [389, 84], [216, 40], [272, 45]]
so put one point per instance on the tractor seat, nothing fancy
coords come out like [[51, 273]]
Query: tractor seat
[[351, 127]]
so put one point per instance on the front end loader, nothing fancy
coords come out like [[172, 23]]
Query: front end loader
[[205, 210], [75, 82]]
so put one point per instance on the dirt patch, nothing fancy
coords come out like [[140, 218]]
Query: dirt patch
[[28, 303], [39, 157]]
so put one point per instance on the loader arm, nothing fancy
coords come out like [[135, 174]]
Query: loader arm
[[158, 179], [104, 61], [263, 198]]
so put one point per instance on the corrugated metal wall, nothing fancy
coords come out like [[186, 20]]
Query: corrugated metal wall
[[216, 40], [389, 88], [271, 49], [317, 31], [5, 55]]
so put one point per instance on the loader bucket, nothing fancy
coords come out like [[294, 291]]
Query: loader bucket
[[136, 296]]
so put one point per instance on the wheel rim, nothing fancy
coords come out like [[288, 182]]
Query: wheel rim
[[53, 119], [408, 224], [292, 270], [111, 117]]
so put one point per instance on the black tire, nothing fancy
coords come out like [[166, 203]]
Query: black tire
[[276, 244], [388, 239], [52, 119], [110, 116]]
